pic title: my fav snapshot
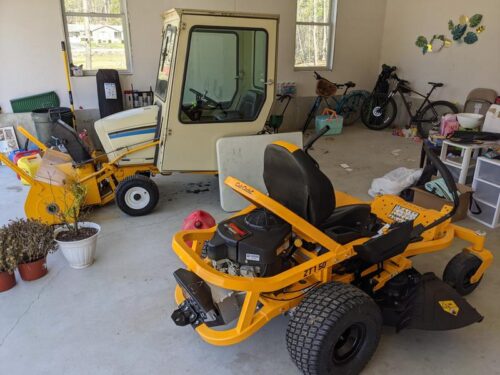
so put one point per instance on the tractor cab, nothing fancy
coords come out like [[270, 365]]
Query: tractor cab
[[215, 79]]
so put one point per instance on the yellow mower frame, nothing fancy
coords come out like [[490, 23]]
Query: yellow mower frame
[[46, 199], [262, 295]]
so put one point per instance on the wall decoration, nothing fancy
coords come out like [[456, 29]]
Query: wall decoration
[[458, 31], [436, 44]]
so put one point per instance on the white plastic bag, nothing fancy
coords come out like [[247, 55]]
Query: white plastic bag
[[395, 181]]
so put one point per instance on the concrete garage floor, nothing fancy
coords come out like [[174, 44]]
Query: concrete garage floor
[[114, 317]]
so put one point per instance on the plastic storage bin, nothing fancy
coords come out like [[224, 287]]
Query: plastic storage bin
[[486, 185], [486, 193], [330, 118]]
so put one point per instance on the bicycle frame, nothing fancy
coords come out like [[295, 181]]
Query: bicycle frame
[[407, 103]]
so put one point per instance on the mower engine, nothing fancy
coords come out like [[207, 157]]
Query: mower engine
[[252, 245]]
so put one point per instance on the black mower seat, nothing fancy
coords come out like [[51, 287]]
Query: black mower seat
[[351, 216], [293, 179]]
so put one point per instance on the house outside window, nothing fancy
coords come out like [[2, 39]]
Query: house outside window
[[97, 34], [315, 34]]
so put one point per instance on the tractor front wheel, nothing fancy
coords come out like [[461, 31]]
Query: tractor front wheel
[[334, 330], [137, 195], [459, 270]]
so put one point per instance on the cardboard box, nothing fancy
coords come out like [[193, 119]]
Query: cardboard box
[[423, 198]]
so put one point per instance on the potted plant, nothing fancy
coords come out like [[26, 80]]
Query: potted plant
[[76, 238], [8, 263], [31, 241]]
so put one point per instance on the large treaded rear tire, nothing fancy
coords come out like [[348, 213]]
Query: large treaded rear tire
[[142, 185], [327, 318], [459, 270]]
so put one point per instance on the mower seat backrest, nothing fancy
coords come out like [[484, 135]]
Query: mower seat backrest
[[293, 179]]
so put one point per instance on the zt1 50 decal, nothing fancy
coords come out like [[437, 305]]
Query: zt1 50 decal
[[314, 269]]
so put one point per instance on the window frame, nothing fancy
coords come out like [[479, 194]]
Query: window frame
[[164, 47], [332, 23], [222, 29], [126, 35], [263, 88]]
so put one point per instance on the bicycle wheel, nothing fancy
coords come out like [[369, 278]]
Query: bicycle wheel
[[350, 108], [431, 116], [378, 111]]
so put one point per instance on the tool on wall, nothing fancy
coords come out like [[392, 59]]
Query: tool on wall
[[68, 81]]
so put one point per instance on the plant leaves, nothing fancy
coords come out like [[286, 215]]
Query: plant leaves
[[458, 31], [421, 41], [451, 25], [475, 20], [424, 49], [470, 38]]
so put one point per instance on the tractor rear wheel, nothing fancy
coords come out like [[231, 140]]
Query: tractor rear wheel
[[334, 330], [459, 270], [137, 195]]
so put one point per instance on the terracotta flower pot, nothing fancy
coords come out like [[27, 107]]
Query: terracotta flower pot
[[7, 281], [34, 270]]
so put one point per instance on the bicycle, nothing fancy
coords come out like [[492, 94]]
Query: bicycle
[[379, 110], [347, 105]]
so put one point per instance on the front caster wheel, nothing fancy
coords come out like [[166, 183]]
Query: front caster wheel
[[459, 270], [137, 195], [334, 330]]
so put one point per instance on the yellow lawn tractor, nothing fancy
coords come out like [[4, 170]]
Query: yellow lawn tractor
[[338, 267], [215, 79]]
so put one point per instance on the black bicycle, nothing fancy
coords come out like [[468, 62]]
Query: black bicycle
[[379, 110], [347, 105]]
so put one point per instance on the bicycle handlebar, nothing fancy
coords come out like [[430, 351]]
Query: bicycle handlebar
[[339, 85]]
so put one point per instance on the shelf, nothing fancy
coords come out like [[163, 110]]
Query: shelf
[[458, 165], [488, 182], [480, 200]]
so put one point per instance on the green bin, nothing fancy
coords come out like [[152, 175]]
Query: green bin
[[30, 103]]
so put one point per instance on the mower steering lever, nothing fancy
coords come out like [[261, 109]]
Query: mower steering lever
[[315, 137]]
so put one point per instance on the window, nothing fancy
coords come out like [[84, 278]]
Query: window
[[225, 73], [167, 51], [97, 34], [314, 34]]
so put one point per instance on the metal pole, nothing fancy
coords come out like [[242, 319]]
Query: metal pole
[[68, 81]]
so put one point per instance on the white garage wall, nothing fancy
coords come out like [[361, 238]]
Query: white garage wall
[[31, 31], [461, 67]]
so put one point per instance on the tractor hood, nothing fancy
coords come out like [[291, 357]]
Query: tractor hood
[[129, 128]]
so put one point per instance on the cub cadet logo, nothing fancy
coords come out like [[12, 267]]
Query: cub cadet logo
[[314, 269], [244, 187], [450, 307]]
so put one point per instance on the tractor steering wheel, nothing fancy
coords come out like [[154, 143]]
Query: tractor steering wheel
[[205, 98]]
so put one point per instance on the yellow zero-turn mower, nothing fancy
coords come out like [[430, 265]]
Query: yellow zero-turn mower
[[104, 180], [338, 267]]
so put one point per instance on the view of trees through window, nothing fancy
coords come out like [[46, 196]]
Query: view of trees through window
[[95, 33], [313, 33]]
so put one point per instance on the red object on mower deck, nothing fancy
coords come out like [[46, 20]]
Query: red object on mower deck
[[198, 220], [22, 154]]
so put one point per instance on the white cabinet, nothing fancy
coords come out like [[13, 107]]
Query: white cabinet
[[486, 186]]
